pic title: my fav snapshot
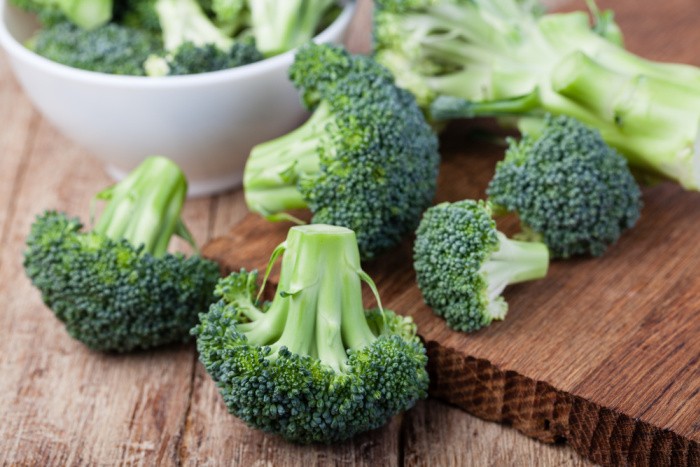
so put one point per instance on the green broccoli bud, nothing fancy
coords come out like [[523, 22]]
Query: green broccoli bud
[[112, 48], [463, 264], [87, 14], [312, 365], [569, 188], [366, 159], [115, 287]]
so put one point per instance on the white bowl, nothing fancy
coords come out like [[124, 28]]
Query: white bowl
[[206, 123]]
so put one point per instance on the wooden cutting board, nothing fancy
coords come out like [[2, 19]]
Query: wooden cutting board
[[603, 354]]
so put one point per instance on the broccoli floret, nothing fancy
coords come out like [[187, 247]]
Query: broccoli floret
[[281, 26], [496, 57], [463, 264], [111, 48], [193, 43], [313, 365], [568, 187], [365, 160], [231, 15], [115, 287], [87, 14]]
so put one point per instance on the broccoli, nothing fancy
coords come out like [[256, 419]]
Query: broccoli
[[313, 365], [231, 15], [463, 264], [115, 287], [111, 48], [496, 57], [192, 42], [568, 187], [87, 14], [365, 160], [281, 26]]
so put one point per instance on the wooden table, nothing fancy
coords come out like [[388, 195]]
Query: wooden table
[[63, 404]]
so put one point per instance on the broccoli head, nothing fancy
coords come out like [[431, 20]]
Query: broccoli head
[[463, 264], [115, 287], [365, 160], [313, 365], [569, 188], [111, 48]]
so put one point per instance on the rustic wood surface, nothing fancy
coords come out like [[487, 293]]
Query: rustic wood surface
[[61, 404], [604, 353]]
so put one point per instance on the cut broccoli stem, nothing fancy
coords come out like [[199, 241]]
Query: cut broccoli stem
[[145, 207], [318, 310], [513, 262], [184, 21], [275, 167]]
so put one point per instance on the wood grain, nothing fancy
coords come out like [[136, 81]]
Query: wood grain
[[63, 405]]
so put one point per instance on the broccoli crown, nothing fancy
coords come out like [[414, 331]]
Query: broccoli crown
[[463, 264], [87, 14], [312, 366], [568, 187], [111, 295], [191, 59], [110, 49], [116, 288], [366, 160]]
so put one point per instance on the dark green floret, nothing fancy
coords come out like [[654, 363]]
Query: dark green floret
[[365, 160], [569, 188], [312, 365], [112, 48], [115, 287], [471, 58], [463, 264], [86, 14]]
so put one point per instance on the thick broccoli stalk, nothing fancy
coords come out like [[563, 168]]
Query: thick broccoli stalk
[[112, 48], [313, 365], [282, 26], [463, 264], [87, 14], [495, 57], [193, 43], [116, 288], [365, 160], [569, 188]]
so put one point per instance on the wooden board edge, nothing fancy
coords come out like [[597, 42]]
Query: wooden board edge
[[539, 410]]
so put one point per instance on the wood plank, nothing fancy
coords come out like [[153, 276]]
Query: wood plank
[[604, 352], [59, 402]]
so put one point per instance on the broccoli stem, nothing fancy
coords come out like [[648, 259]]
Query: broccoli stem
[[275, 167], [281, 26], [184, 21], [88, 14], [513, 262], [145, 207], [318, 308]]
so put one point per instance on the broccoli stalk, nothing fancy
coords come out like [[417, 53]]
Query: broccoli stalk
[[116, 288], [193, 43], [463, 264], [142, 215], [281, 26], [313, 365], [497, 53], [366, 160], [274, 167], [87, 14]]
